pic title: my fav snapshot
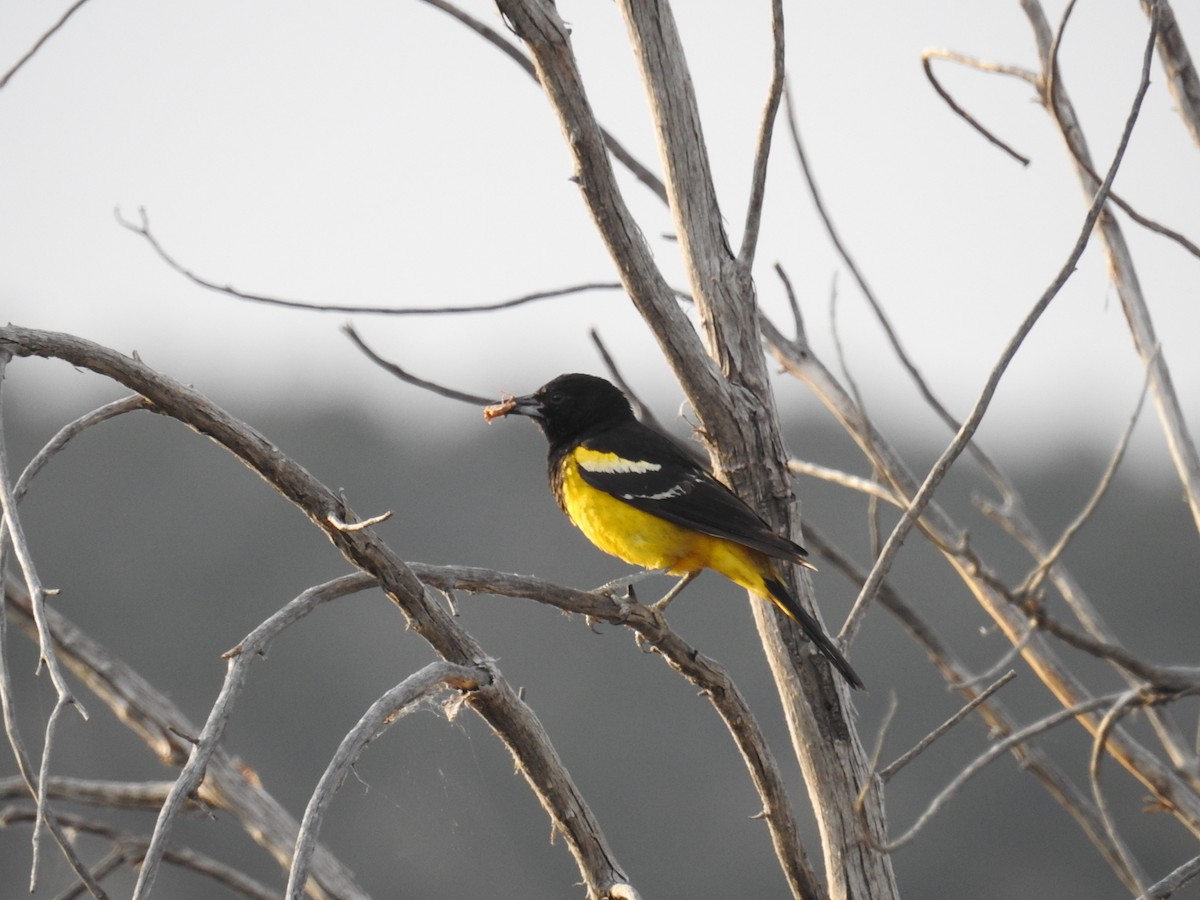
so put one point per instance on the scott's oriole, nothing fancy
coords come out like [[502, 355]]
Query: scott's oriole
[[638, 496]]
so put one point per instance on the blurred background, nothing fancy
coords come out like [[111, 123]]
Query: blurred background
[[381, 154]]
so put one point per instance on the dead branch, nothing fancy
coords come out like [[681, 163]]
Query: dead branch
[[1173, 882], [921, 746], [998, 749], [758, 181]]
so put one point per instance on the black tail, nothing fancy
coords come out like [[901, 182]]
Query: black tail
[[813, 632]]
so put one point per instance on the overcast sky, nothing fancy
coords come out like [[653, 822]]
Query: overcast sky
[[380, 153]]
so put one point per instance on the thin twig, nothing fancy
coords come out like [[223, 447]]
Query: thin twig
[[1033, 581], [874, 526], [37, 45], [887, 772], [881, 316], [868, 486], [72, 430], [1052, 96], [999, 748], [1119, 709], [793, 303], [1182, 78], [142, 229], [140, 795], [1011, 652], [403, 375], [11, 525], [927, 58], [1168, 678], [643, 412]]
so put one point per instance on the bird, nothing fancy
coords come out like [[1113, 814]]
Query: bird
[[639, 496]]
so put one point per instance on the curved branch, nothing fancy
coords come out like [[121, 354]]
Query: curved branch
[[435, 677]]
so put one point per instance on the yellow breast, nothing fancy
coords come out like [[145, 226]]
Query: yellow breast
[[646, 540]]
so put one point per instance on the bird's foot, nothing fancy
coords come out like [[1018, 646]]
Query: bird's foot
[[622, 588], [660, 605]]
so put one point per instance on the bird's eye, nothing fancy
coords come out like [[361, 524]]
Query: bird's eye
[[557, 398]]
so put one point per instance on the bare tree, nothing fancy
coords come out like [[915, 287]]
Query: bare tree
[[721, 361]]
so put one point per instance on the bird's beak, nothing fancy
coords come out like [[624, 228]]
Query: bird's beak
[[522, 406], [527, 406]]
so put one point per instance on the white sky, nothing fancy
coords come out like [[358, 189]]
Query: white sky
[[379, 153]]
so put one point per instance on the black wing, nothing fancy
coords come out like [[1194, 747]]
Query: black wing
[[659, 478]]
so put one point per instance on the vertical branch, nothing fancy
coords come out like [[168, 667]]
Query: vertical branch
[[758, 183], [12, 531], [746, 448]]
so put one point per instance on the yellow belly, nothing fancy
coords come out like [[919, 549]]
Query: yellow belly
[[653, 543]]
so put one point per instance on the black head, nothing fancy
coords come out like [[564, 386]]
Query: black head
[[571, 407]]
